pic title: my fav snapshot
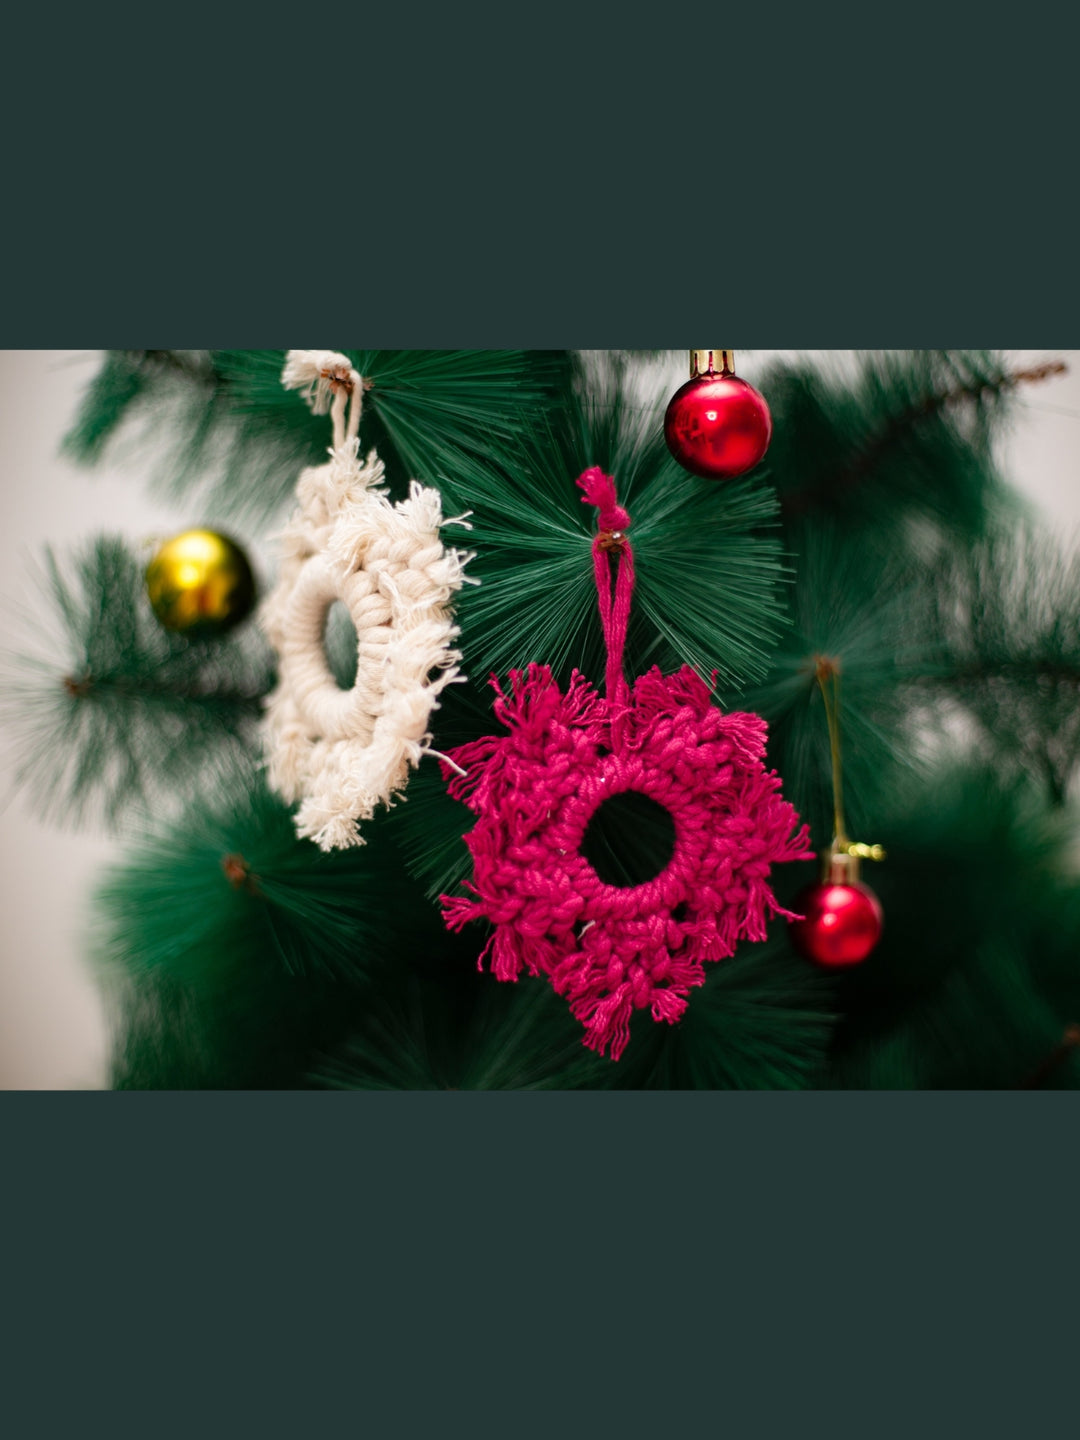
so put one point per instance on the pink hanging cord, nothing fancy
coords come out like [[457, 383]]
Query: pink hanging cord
[[599, 490]]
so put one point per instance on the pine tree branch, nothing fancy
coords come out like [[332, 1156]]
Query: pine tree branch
[[178, 362], [984, 671], [130, 710], [975, 391], [245, 703]]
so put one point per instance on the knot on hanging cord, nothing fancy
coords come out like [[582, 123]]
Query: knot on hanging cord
[[329, 384], [319, 375], [599, 490]]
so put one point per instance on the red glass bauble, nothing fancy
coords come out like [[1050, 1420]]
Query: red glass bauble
[[842, 923], [717, 426]]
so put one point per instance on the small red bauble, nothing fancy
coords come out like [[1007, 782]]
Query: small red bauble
[[842, 923], [717, 426]]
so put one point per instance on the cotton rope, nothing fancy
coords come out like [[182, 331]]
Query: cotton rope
[[609, 949], [341, 753]]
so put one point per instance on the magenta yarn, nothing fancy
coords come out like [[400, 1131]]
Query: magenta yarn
[[611, 950]]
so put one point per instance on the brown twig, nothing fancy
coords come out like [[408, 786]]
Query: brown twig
[[933, 404], [77, 689], [239, 874], [1069, 1041]]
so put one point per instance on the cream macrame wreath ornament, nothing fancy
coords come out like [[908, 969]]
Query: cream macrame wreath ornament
[[341, 753]]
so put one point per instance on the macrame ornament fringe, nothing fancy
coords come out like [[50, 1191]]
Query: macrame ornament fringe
[[341, 753], [611, 950]]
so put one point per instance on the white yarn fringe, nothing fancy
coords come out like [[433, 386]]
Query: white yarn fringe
[[342, 753]]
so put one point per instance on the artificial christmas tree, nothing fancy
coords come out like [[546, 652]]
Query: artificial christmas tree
[[874, 533]]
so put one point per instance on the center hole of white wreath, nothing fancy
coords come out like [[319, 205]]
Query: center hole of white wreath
[[629, 840], [340, 645]]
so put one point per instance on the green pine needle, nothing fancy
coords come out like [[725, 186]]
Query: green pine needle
[[706, 592], [235, 953], [866, 620], [218, 424], [1007, 614], [910, 438], [231, 873], [762, 1021], [975, 978], [481, 1035]]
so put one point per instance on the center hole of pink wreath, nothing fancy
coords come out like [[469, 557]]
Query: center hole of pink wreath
[[629, 840]]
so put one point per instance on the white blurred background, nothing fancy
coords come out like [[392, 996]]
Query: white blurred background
[[53, 1032]]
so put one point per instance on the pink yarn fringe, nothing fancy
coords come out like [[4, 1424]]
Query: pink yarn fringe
[[608, 950]]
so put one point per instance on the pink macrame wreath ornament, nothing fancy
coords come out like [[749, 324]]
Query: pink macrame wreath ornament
[[607, 949]]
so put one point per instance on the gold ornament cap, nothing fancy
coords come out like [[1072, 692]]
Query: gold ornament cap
[[711, 362], [842, 861]]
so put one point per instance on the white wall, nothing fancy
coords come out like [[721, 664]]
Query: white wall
[[52, 1025]]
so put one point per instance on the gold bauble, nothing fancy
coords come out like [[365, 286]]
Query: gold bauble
[[200, 584]]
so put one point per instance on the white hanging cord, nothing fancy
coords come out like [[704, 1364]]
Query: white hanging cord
[[328, 381]]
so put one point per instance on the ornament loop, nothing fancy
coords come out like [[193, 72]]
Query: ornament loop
[[612, 950], [328, 382], [341, 753], [842, 918]]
